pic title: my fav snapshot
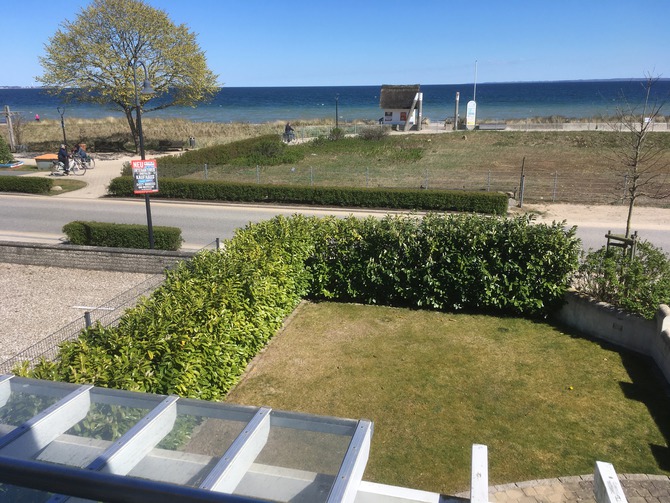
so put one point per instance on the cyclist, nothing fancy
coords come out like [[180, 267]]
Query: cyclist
[[79, 151], [64, 159], [288, 132]]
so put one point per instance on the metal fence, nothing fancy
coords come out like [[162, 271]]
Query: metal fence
[[542, 181]]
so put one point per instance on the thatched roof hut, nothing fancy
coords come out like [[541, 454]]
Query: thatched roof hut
[[398, 97], [400, 105]]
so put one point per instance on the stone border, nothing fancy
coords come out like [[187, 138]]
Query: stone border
[[91, 257]]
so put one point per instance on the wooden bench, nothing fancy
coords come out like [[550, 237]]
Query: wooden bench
[[170, 145]]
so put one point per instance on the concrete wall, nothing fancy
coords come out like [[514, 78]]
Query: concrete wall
[[91, 257], [605, 322]]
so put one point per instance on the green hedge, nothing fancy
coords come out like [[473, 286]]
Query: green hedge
[[426, 200], [196, 333], [122, 235], [446, 263], [26, 184]]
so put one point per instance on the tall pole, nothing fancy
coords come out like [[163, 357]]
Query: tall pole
[[61, 111], [147, 200], [474, 93]]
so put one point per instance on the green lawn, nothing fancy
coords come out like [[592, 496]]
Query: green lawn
[[546, 403]]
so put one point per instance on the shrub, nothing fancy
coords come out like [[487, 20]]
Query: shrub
[[5, 154], [27, 184], [373, 133], [267, 150], [445, 262], [122, 235], [638, 285], [336, 134], [197, 332]]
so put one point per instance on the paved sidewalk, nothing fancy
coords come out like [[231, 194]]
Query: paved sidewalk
[[638, 488], [107, 167]]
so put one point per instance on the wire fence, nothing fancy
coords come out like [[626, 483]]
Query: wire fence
[[107, 315], [533, 180]]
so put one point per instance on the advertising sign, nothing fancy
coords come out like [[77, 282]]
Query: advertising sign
[[145, 176], [471, 117]]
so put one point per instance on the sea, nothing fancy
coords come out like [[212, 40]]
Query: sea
[[582, 99]]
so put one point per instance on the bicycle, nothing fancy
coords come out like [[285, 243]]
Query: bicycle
[[288, 137], [77, 167]]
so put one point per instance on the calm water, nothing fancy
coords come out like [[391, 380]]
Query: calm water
[[572, 99]]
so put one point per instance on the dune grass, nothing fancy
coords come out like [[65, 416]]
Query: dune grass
[[546, 402]]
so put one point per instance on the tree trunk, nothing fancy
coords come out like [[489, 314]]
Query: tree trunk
[[631, 204]]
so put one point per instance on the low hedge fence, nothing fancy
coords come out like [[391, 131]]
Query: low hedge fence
[[122, 235], [426, 200], [26, 184], [196, 333]]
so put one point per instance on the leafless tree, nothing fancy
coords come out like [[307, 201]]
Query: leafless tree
[[640, 157]]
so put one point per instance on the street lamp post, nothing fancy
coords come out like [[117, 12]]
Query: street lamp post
[[61, 111], [146, 89]]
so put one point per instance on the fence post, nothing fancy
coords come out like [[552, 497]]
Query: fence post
[[218, 244], [367, 177], [205, 171], [87, 318], [522, 182], [488, 182], [258, 174], [553, 197], [311, 176]]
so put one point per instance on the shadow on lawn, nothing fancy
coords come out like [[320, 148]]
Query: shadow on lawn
[[649, 387]]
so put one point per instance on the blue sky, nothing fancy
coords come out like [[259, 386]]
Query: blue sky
[[373, 42]]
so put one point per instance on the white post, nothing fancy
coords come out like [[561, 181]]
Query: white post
[[606, 485], [479, 481]]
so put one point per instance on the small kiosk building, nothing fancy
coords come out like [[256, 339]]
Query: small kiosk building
[[402, 106]]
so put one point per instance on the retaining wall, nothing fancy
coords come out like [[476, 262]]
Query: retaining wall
[[91, 257], [605, 322]]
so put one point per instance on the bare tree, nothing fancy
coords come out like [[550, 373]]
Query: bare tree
[[640, 156]]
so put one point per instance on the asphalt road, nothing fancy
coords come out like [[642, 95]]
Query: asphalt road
[[40, 219]]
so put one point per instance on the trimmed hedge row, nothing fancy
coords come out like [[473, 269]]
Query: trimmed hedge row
[[122, 235], [195, 334], [26, 184], [427, 200]]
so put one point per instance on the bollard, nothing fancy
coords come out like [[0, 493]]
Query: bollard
[[218, 244], [87, 318]]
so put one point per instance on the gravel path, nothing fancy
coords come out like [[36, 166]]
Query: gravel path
[[36, 301]]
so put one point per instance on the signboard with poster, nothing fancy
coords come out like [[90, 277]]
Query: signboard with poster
[[471, 115], [145, 176]]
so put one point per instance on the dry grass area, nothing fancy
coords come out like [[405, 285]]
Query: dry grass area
[[558, 166], [547, 403]]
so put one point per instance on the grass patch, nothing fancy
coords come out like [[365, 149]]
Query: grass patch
[[546, 403], [66, 185]]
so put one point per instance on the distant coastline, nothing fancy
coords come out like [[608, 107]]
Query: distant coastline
[[570, 99]]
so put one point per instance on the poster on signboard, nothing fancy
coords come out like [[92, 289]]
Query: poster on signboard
[[471, 117], [145, 176]]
